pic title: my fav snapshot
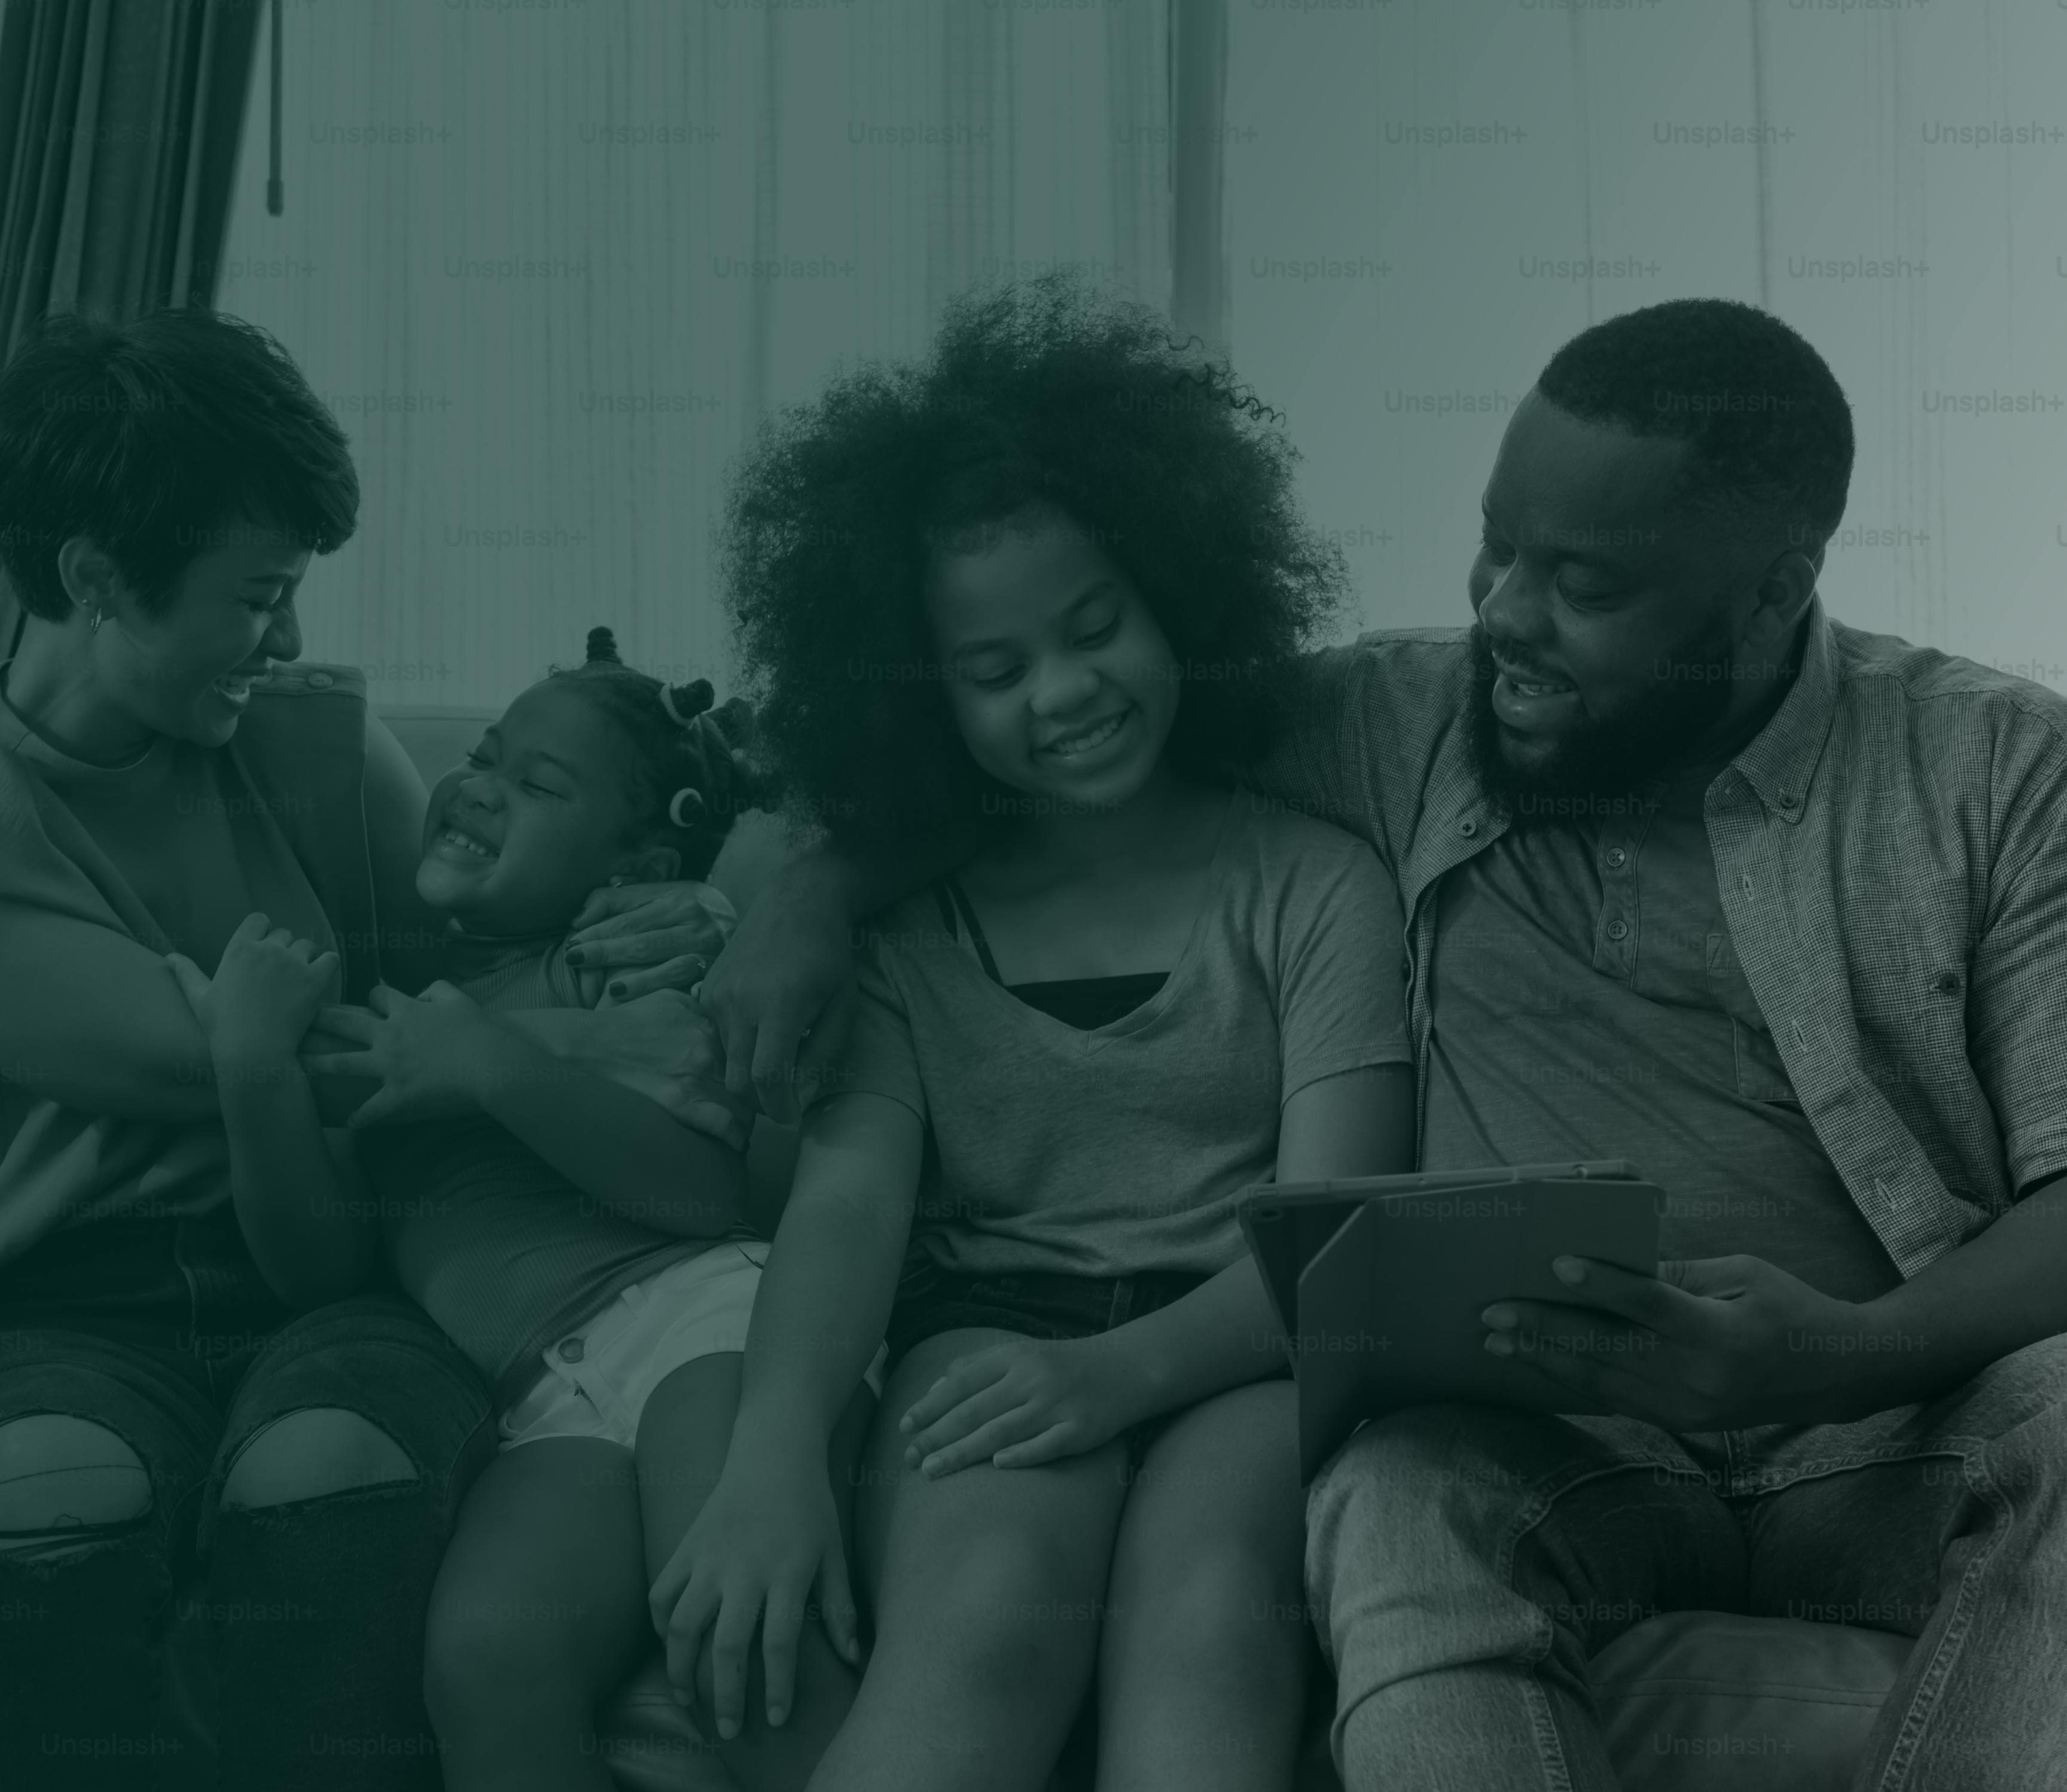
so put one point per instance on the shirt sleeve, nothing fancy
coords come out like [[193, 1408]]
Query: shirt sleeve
[[879, 1057], [1317, 765], [2017, 1044], [1341, 945]]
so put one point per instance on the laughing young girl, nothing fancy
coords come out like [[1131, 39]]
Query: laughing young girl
[[583, 1245], [1044, 581]]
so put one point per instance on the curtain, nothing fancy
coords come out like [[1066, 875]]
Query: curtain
[[120, 121], [553, 265], [119, 127], [1199, 292]]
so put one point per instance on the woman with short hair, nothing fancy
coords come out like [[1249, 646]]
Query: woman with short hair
[[187, 1381]]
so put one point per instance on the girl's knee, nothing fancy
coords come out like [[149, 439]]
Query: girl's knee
[[307, 1455], [58, 1473], [492, 1663]]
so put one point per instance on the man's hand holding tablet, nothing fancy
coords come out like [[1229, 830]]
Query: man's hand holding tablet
[[1707, 1344]]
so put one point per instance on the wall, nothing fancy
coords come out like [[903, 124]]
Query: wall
[[1426, 198], [553, 262]]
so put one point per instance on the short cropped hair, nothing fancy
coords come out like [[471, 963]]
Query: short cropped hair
[[148, 437], [1768, 423]]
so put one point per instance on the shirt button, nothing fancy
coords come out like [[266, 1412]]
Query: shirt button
[[320, 680], [1618, 930], [1788, 800], [572, 1349], [1945, 982], [1617, 857], [1467, 828]]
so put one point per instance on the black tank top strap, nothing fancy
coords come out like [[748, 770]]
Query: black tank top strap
[[960, 897]]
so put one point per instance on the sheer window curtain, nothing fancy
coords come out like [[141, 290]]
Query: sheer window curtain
[[551, 266]]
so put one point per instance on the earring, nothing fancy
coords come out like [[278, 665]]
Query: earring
[[94, 619]]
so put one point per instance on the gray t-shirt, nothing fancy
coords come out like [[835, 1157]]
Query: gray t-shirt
[[1589, 1002], [1123, 1148]]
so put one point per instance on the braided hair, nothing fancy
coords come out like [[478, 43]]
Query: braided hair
[[695, 775]]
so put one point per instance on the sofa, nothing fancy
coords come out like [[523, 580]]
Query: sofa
[[1692, 1701]]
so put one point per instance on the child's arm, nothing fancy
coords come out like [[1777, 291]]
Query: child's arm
[[769, 1532], [627, 1154], [298, 1205], [1071, 1397]]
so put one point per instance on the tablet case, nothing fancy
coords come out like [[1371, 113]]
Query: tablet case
[[1379, 1281]]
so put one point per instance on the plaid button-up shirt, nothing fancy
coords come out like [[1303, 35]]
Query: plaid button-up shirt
[[1892, 854]]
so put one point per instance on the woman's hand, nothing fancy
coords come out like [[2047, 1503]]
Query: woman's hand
[[428, 1053], [763, 1542], [1017, 1405], [656, 935], [266, 989]]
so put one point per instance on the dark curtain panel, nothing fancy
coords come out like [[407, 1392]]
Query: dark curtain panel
[[119, 128]]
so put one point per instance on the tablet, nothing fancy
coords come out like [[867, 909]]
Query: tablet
[[1379, 1281]]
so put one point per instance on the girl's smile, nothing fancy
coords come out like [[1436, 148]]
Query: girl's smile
[[1081, 745], [1061, 680]]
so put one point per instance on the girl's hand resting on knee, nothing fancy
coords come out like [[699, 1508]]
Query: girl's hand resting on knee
[[765, 1542], [1018, 1405]]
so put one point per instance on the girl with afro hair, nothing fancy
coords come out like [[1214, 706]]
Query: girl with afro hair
[[1025, 607]]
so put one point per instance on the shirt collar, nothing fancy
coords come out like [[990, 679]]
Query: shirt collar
[[1782, 757], [1778, 761]]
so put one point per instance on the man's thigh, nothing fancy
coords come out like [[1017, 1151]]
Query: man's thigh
[[1858, 1530], [1444, 1536]]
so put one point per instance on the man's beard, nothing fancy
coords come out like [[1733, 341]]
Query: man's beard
[[1601, 767]]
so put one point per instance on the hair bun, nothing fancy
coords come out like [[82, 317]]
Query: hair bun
[[687, 701], [602, 646]]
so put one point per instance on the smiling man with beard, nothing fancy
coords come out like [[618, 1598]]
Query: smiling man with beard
[[1776, 910]]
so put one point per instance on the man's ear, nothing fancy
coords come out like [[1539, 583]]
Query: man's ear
[[1786, 590], [649, 864]]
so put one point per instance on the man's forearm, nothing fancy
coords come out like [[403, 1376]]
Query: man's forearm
[[1996, 1294], [860, 883], [629, 1154]]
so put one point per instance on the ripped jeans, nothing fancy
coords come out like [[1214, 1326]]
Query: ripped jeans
[[219, 1521]]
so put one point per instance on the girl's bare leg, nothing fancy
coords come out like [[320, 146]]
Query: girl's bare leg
[[538, 1614], [1201, 1678], [684, 1434], [988, 1588]]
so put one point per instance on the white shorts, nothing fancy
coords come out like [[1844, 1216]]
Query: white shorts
[[598, 1378]]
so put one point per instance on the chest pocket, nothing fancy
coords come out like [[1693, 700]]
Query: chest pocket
[[1761, 1076]]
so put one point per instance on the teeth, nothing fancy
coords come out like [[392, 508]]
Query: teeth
[[453, 835], [1071, 744]]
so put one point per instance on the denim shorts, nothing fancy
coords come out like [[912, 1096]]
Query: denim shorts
[[1044, 1304]]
